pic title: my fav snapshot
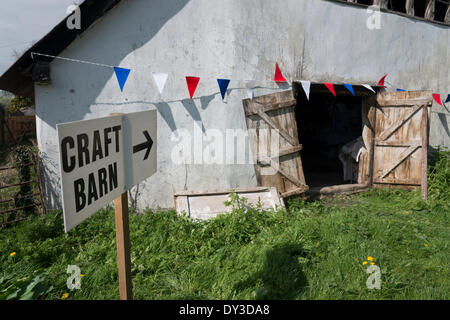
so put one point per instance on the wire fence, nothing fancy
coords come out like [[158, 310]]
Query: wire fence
[[20, 199]]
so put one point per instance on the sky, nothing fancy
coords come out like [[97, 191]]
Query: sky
[[23, 22]]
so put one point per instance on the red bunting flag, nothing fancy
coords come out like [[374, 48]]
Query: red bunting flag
[[437, 98], [330, 87], [381, 82], [278, 75], [192, 83]]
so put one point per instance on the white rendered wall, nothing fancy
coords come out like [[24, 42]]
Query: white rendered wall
[[310, 39]]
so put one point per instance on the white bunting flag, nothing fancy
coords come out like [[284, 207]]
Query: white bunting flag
[[250, 86], [368, 87], [160, 80], [306, 85]]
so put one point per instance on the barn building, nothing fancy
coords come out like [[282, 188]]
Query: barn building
[[336, 42]]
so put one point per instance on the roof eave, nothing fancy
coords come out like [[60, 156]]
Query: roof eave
[[17, 79]]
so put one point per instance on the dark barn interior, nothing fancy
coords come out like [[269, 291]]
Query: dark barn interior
[[325, 124]]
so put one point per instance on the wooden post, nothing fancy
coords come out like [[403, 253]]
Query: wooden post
[[123, 243], [409, 7], [429, 10], [447, 15], [424, 182], [37, 173], [372, 142], [2, 131], [123, 246]]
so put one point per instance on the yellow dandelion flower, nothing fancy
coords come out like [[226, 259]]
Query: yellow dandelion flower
[[12, 254], [369, 258], [81, 275], [365, 262], [65, 296], [372, 263], [426, 245]]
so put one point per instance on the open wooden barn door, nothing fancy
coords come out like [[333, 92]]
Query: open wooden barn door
[[400, 121], [274, 142], [395, 135]]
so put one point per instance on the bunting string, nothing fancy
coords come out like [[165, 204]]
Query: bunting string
[[69, 59], [192, 82]]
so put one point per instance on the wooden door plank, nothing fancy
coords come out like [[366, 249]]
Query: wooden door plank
[[270, 116], [396, 143], [294, 180], [269, 107], [295, 192], [405, 154], [397, 124], [398, 181], [283, 152], [291, 150], [403, 98], [368, 107], [285, 118], [372, 144], [282, 132], [424, 182]]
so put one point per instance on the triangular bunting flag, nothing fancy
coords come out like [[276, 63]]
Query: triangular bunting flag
[[368, 87], [192, 83], [350, 88], [306, 85], [330, 87], [223, 85], [160, 80], [381, 82], [399, 90], [448, 99], [278, 75], [122, 76], [250, 86], [437, 98]]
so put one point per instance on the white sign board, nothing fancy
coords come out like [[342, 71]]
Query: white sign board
[[102, 158]]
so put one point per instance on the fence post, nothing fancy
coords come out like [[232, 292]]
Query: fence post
[[38, 181], [2, 130]]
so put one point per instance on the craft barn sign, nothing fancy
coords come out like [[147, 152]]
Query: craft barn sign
[[102, 158]]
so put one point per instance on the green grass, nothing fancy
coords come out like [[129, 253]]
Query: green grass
[[312, 250]]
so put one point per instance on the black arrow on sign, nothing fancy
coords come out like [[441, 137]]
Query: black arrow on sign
[[145, 145]]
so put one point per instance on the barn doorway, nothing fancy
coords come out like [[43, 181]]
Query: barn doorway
[[310, 136], [330, 131]]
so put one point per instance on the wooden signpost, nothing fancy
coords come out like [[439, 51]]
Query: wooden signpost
[[123, 246], [100, 160]]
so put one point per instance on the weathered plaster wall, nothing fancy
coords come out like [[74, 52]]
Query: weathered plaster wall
[[315, 40]]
